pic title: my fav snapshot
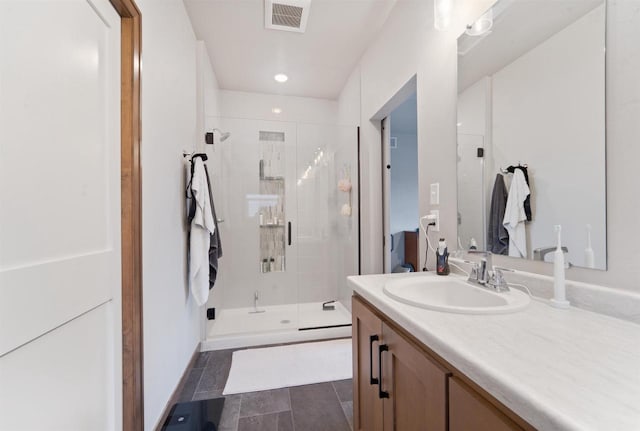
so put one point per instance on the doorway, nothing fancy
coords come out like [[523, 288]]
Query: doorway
[[400, 186]]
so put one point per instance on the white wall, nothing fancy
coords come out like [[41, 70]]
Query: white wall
[[258, 106], [349, 100], [548, 112], [169, 126], [211, 90], [207, 93], [408, 45]]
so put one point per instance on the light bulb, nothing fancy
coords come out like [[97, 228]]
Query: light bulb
[[442, 10], [281, 77], [482, 25]]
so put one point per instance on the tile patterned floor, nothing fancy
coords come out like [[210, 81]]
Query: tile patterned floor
[[319, 407]]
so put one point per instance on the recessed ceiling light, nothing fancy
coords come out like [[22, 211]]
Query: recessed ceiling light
[[276, 110], [281, 77]]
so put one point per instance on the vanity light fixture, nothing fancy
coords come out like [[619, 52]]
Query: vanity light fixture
[[442, 11], [482, 26], [281, 77]]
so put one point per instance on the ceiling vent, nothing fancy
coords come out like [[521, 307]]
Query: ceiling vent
[[287, 15]]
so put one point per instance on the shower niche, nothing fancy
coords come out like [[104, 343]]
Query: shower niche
[[271, 219]]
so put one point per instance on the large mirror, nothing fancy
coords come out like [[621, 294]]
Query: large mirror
[[531, 131]]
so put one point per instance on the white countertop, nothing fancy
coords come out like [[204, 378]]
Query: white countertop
[[557, 369]]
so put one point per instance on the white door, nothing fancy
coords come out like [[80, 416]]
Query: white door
[[386, 193], [60, 318]]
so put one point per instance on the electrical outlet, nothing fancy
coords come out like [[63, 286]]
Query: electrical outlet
[[434, 198], [436, 213]]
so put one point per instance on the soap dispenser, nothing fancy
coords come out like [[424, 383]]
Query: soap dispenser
[[559, 299]]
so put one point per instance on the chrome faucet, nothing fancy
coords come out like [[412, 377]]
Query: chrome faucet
[[480, 272], [484, 274], [540, 253], [256, 296]]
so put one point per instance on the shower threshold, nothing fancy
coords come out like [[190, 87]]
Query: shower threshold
[[238, 327]]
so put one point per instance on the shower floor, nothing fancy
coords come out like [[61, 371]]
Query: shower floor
[[238, 327]]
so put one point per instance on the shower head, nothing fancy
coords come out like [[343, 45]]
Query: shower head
[[223, 136]]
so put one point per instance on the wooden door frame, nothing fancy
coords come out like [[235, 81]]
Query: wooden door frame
[[131, 217]]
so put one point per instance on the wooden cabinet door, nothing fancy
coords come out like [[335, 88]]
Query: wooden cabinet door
[[416, 386], [470, 411], [367, 335]]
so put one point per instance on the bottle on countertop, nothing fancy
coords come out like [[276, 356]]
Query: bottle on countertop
[[442, 258], [589, 257]]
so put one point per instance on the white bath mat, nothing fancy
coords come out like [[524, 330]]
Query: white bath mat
[[293, 365]]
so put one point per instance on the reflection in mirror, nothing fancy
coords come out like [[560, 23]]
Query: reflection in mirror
[[531, 130]]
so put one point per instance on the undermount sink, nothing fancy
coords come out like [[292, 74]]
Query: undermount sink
[[454, 295]]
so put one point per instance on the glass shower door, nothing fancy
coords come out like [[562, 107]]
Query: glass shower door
[[327, 217], [256, 196], [288, 195]]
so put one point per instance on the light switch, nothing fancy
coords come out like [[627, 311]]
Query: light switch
[[435, 194]]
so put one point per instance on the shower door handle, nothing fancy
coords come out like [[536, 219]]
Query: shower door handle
[[289, 232], [381, 393], [372, 338]]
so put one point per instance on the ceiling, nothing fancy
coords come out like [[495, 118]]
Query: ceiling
[[245, 56]]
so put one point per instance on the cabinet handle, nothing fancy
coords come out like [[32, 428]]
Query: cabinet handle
[[289, 232], [381, 393], [372, 380]]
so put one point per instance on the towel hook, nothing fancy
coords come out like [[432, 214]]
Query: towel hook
[[203, 156]]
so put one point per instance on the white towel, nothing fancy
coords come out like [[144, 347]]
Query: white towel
[[202, 226], [515, 216]]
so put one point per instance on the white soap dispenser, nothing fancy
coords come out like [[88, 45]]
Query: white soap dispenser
[[589, 257], [559, 299]]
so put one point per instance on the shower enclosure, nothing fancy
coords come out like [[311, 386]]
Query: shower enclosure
[[286, 200]]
